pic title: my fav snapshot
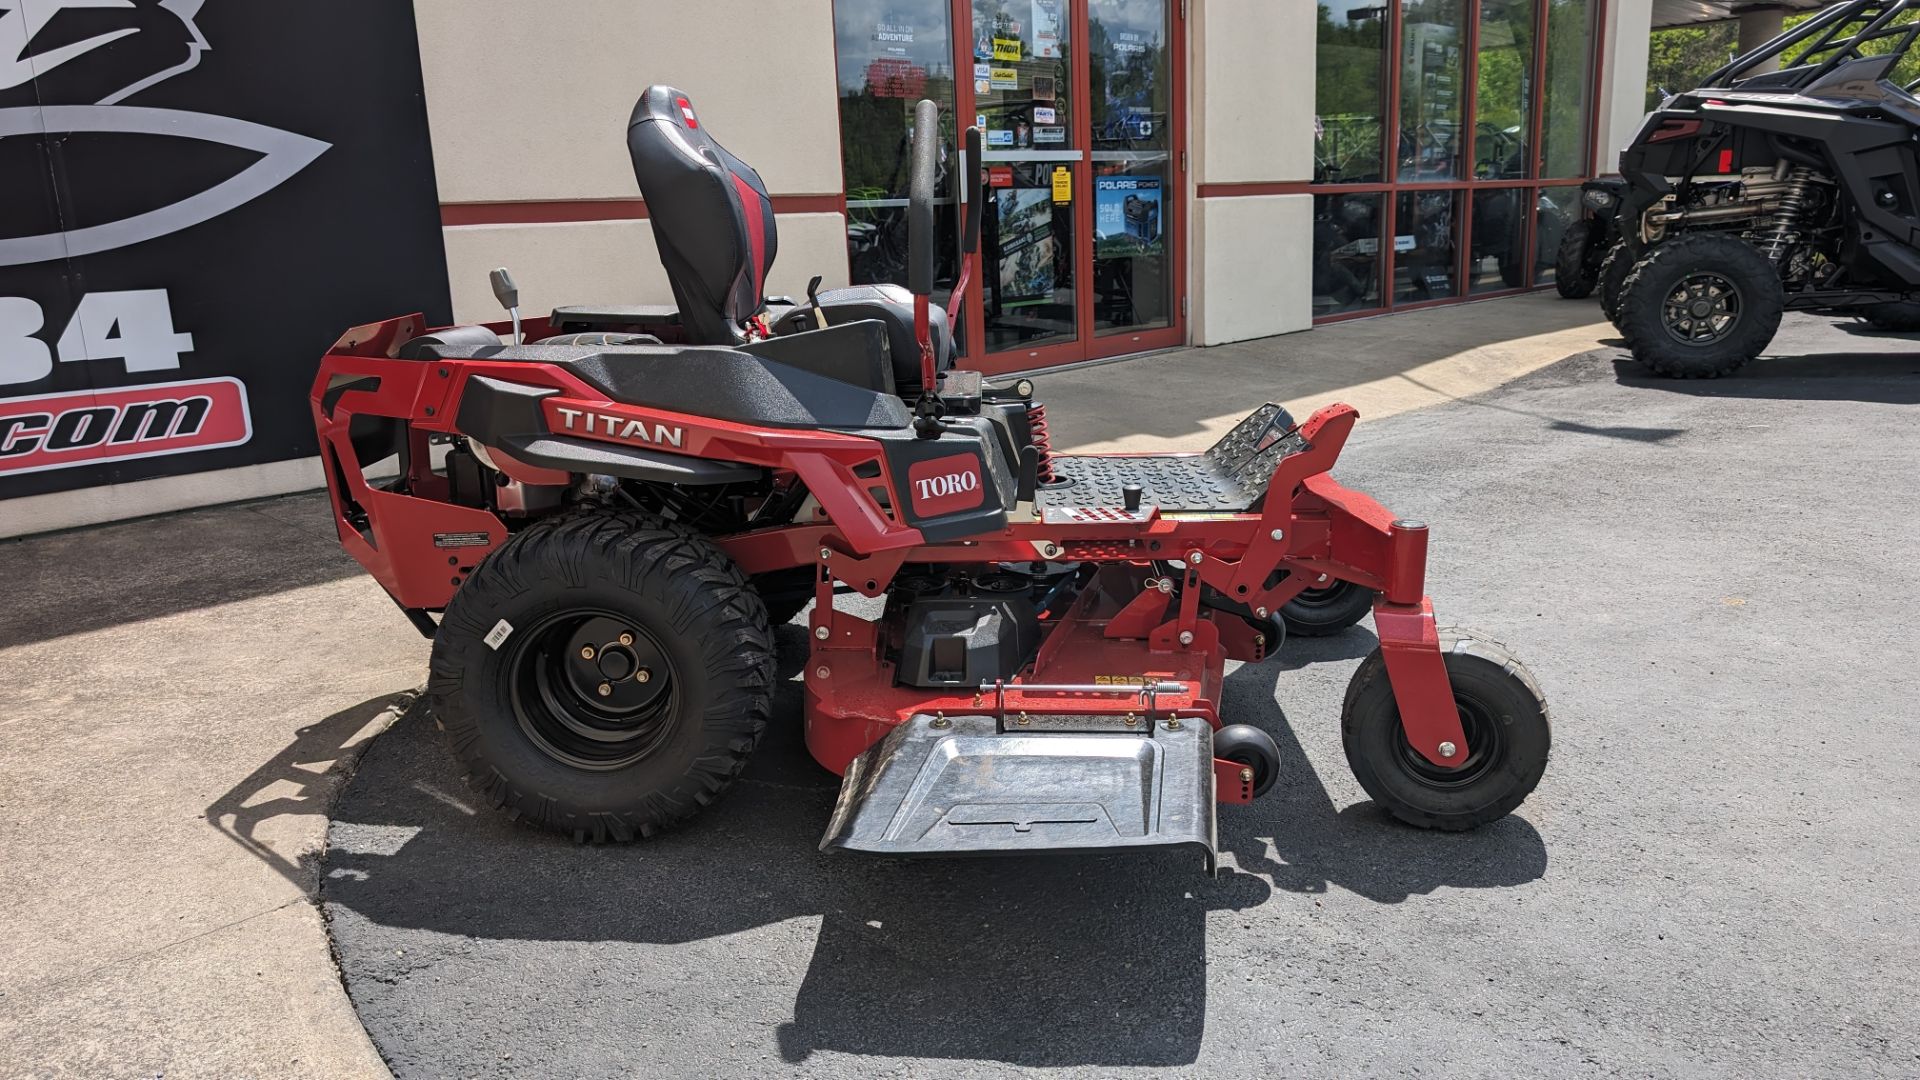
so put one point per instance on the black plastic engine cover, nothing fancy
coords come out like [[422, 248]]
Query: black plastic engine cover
[[963, 641]]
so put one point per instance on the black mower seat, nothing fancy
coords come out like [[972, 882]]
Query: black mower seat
[[710, 381], [1230, 476]]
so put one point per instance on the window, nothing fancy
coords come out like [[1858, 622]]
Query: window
[[1450, 139], [1350, 103], [891, 54]]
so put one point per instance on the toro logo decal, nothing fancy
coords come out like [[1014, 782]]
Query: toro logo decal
[[946, 485], [60, 431]]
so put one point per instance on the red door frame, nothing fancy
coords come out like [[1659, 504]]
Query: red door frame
[[1086, 344]]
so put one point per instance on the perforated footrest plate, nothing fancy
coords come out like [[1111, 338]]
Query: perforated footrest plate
[[1230, 476]]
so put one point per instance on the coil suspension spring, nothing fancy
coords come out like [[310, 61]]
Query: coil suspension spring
[[1042, 442], [1794, 205]]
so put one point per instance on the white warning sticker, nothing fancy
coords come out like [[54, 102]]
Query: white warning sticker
[[498, 634]]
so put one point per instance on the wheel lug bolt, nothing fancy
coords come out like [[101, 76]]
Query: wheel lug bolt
[[1447, 749], [606, 689], [643, 675], [586, 652], [1246, 776], [626, 639]]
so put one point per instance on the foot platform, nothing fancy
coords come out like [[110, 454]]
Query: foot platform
[[963, 786], [1231, 476]]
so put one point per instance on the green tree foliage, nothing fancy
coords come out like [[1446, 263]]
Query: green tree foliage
[[1679, 58]]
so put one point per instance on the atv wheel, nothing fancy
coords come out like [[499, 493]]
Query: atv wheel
[[1613, 278], [1898, 317], [1700, 306], [1244, 744], [1504, 717], [1573, 273], [1328, 610], [603, 676]]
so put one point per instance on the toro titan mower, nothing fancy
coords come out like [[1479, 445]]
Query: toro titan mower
[[631, 497]]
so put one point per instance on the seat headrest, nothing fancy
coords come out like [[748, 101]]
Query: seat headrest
[[711, 216]]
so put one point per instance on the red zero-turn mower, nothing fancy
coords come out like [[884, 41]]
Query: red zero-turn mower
[[632, 497]]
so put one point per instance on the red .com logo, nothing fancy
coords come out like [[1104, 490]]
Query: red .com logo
[[61, 431]]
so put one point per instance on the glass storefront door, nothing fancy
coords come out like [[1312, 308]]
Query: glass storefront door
[[1080, 252]]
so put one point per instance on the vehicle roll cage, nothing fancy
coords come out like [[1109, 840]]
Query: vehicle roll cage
[[1831, 46]]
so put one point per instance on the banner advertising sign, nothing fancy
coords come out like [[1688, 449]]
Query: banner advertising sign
[[1126, 216], [202, 196]]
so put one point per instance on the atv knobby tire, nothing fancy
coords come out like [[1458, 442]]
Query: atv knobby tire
[[1669, 288], [666, 626], [1613, 277], [1897, 317], [1573, 272], [1502, 712]]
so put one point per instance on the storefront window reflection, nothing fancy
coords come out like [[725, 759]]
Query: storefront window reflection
[[1350, 102], [1502, 121], [1498, 259], [1431, 88], [1346, 253], [891, 53], [1426, 246], [1563, 139]]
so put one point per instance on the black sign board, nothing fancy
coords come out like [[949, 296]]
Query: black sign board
[[200, 196]]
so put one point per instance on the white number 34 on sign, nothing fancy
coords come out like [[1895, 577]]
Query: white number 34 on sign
[[134, 326]]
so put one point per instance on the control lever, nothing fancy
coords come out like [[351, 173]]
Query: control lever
[[508, 294], [813, 297]]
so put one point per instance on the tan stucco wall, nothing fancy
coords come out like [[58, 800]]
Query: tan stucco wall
[[1252, 89], [1252, 86], [1623, 82], [1256, 261], [530, 100], [614, 262]]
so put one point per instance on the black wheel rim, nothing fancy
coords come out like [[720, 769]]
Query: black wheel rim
[[1486, 749], [1702, 309], [593, 689], [1324, 597]]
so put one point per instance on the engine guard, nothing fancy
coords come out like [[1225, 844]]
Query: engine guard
[[962, 785]]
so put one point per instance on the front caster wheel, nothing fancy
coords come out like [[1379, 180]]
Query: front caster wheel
[[1504, 717], [1329, 609], [1247, 745], [603, 675]]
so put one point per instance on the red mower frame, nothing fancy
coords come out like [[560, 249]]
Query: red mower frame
[[1308, 526]]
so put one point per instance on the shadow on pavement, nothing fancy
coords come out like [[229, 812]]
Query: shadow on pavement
[[1067, 960], [1815, 376], [300, 780], [109, 575]]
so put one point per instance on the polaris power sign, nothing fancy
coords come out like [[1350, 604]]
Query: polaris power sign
[[200, 197]]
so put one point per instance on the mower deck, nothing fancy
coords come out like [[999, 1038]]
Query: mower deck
[[940, 785]]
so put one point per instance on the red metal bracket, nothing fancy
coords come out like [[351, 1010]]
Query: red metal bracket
[[1410, 645], [1232, 781]]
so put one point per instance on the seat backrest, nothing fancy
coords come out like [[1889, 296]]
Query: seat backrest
[[712, 219]]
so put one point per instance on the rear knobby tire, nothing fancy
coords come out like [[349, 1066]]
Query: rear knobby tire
[[1901, 317], [1664, 295], [1613, 277], [1328, 610], [1508, 735], [1573, 273], [592, 748]]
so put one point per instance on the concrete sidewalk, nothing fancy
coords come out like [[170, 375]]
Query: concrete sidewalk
[[180, 694]]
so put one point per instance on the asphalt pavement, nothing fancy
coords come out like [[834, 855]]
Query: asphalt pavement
[[1716, 878]]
